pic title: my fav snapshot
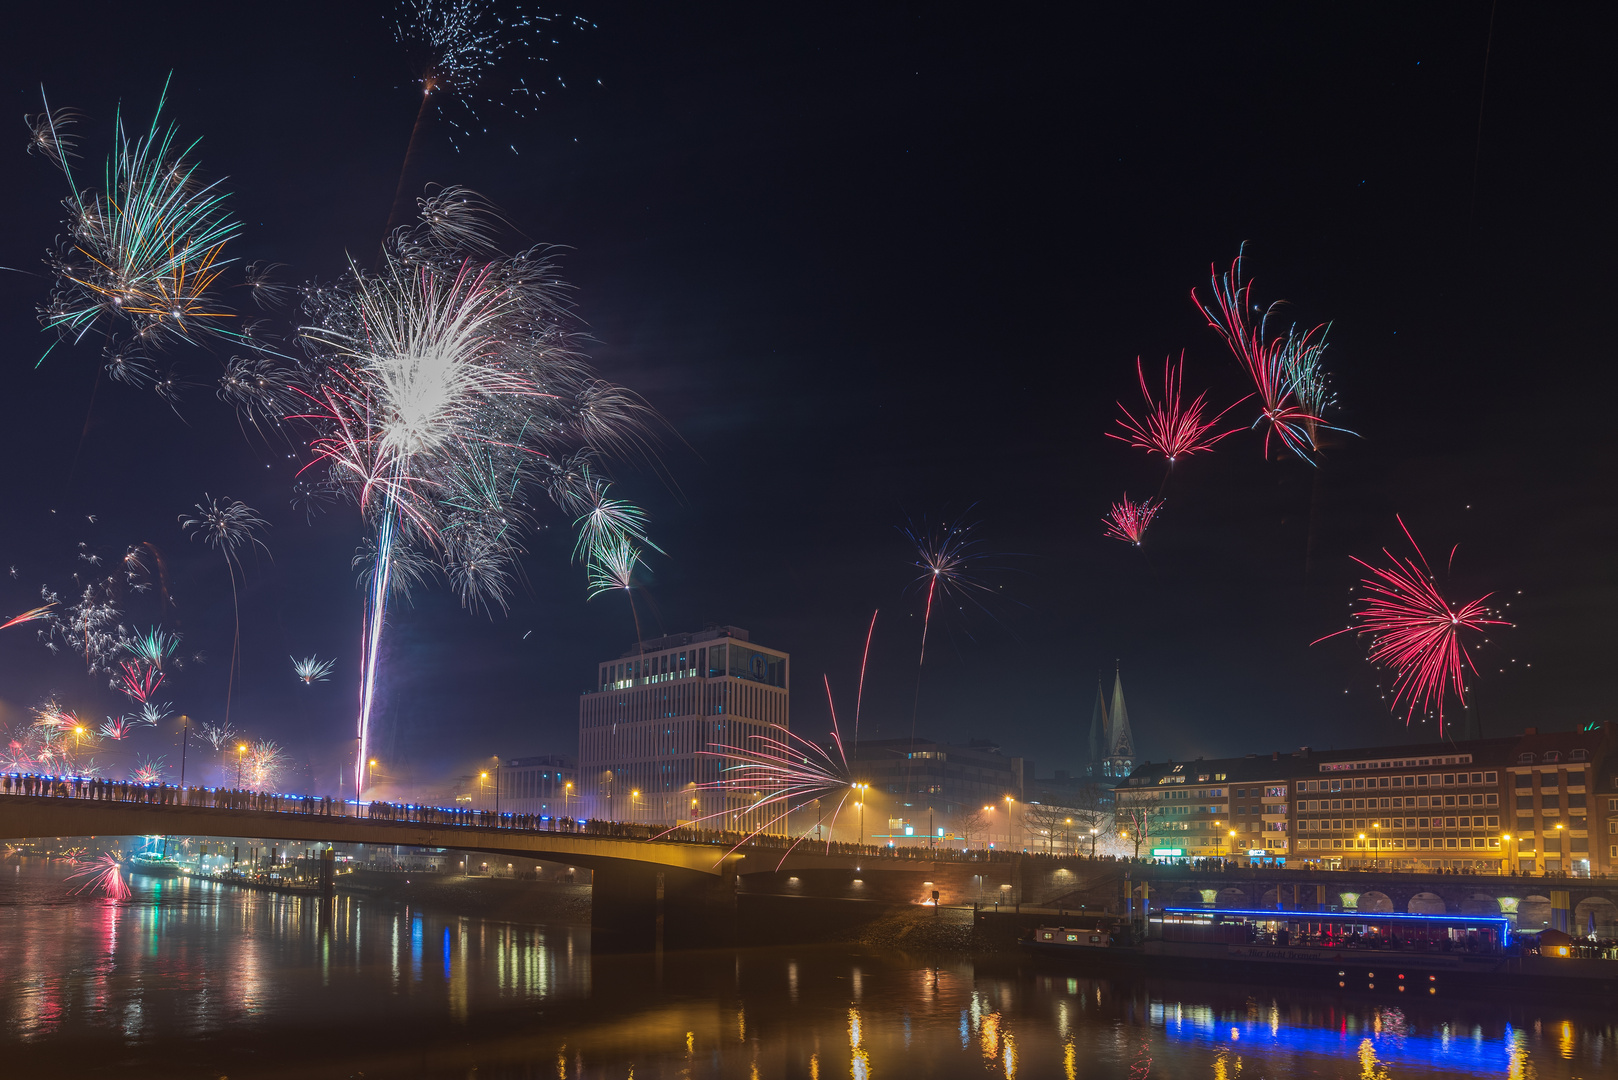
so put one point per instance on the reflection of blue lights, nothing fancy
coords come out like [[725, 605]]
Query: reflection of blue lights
[[415, 947], [1443, 1051]]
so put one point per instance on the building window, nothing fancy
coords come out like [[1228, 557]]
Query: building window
[[1579, 755], [1552, 756], [1489, 778], [1525, 759]]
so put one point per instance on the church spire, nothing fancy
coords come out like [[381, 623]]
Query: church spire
[[1098, 733], [1121, 751]]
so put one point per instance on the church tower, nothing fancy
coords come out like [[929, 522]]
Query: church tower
[[1120, 755], [1096, 750]]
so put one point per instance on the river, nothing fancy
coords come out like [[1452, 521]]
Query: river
[[191, 979]]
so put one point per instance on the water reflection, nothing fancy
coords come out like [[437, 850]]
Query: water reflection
[[193, 979]]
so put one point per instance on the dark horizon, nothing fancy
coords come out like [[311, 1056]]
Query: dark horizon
[[885, 266]]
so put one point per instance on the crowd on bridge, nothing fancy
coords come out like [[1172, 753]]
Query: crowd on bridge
[[162, 794]]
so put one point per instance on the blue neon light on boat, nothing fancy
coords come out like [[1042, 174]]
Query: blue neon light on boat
[[1340, 916]]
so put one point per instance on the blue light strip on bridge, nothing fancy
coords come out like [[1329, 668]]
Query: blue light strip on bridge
[[1340, 916]]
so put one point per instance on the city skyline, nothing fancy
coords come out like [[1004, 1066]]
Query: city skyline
[[831, 371]]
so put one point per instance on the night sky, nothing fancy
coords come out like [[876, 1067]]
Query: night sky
[[875, 265]]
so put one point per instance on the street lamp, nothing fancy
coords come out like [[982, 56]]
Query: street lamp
[[1506, 837], [241, 752], [987, 831], [1092, 843], [860, 803], [1376, 843]]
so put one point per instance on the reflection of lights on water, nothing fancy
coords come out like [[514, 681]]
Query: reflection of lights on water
[[859, 1065], [690, 1043], [792, 981], [1565, 1043], [1370, 1067], [1009, 1057], [1070, 1061], [814, 1067], [741, 1025]]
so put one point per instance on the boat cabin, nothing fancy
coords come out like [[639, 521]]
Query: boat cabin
[[1336, 930]]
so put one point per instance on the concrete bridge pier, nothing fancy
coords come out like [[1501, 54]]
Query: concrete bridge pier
[[638, 907]]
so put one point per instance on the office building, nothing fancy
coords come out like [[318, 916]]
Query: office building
[[1491, 805], [653, 731]]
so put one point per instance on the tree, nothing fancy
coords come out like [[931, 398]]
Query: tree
[[970, 820], [1137, 814]]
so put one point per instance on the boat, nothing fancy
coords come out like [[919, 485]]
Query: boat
[[151, 864], [1410, 954]]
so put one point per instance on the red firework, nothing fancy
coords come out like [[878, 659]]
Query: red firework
[[1416, 632], [1171, 427], [101, 874], [29, 616], [138, 680], [1265, 362], [1127, 521]]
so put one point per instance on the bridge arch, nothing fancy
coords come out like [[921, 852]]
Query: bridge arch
[[1376, 903], [1231, 898], [1601, 912], [1427, 903], [1480, 904], [1533, 912]]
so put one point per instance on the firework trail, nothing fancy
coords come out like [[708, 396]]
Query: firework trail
[[442, 389], [226, 527], [142, 256], [1416, 632], [612, 568], [312, 669], [102, 874], [1171, 428], [1127, 521], [1284, 369], [779, 773], [32, 615]]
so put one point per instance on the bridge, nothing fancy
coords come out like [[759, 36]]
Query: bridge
[[644, 881]]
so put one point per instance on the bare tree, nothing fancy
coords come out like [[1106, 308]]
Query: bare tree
[[1137, 815], [970, 821]]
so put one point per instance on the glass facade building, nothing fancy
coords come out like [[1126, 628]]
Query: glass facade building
[[653, 731]]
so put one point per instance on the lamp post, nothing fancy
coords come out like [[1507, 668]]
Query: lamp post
[[241, 752], [859, 802], [1232, 843], [988, 823], [1376, 843], [1093, 843], [1221, 842], [185, 737], [1510, 861]]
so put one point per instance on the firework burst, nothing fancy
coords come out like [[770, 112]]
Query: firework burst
[[1128, 521], [141, 257], [950, 559], [442, 390], [1170, 427], [1286, 370], [461, 45], [149, 771], [1416, 632], [312, 669]]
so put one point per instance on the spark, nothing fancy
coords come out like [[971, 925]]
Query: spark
[[149, 771], [1127, 521], [1416, 632]]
